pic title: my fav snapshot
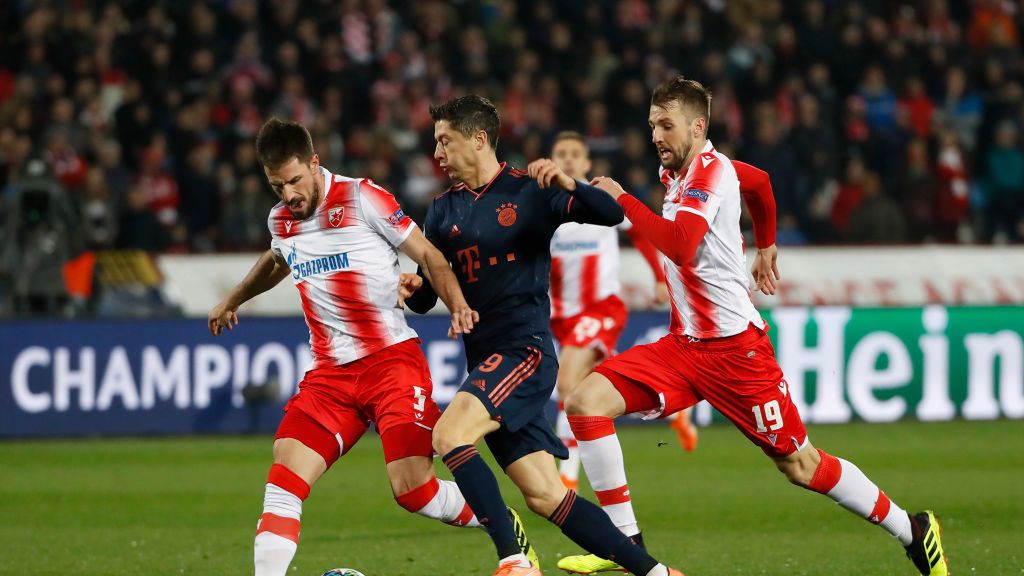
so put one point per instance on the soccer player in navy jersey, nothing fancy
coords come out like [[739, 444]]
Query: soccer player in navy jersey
[[495, 226]]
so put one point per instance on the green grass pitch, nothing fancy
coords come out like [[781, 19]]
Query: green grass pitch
[[189, 506]]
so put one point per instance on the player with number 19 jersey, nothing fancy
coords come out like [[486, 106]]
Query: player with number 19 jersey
[[715, 332]]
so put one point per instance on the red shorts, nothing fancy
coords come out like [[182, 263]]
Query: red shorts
[[739, 376], [597, 327], [336, 404]]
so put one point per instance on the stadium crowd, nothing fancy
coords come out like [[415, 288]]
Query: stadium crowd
[[879, 122]]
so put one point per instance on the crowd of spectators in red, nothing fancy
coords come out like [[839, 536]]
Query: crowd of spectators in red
[[879, 121]]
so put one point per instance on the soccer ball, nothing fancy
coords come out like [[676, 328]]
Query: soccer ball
[[343, 572]]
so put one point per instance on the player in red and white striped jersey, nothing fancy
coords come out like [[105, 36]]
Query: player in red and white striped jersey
[[717, 348], [338, 237], [587, 316]]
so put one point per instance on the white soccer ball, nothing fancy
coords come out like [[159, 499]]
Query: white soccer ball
[[343, 572]]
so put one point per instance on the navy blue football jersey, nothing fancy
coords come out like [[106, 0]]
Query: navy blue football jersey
[[498, 240]]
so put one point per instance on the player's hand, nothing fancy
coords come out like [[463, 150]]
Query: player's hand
[[407, 284], [613, 188], [222, 317], [660, 293], [463, 320], [766, 269], [546, 173]]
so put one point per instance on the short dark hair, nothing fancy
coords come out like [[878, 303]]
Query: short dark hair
[[469, 114], [281, 140], [687, 93], [569, 135]]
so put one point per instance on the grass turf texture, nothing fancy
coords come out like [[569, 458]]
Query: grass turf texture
[[189, 506]]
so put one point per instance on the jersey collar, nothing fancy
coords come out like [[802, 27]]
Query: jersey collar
[[328, 180], [480, 191]]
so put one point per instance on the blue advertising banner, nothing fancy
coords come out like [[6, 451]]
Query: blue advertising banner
[[89, 378]]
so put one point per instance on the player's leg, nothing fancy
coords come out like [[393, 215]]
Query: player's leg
[[462, 425], [418, 490], [303, 450], [396, 389], [746, 385], [574, 363], [592, 410], [843, 482], [584, 523], [622, 385]]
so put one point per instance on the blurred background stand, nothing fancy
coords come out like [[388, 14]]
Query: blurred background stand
[[40, 235]]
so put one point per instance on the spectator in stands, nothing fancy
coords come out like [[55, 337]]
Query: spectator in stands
[[1004, 198], [953, 188], [878, 218], [134, 89], [849, 196]]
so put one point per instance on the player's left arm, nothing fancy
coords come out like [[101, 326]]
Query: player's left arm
[[579, 202], [383, 214], [677, 239], [441, 278], [756, 190]]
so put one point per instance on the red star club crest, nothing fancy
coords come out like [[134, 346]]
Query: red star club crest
[[335, 215]]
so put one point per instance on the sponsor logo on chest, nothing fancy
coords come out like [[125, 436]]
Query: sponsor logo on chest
[[325, 264]]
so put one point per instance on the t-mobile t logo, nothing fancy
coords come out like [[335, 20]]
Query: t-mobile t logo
[[470, 259]]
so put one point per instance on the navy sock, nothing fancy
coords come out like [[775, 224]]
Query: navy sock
[[480, 488], [589, 526]]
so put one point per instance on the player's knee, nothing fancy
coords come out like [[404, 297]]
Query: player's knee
[[581, 403], [564, 384], [441, 441], [799, 469], [446, 438], [544, 503]]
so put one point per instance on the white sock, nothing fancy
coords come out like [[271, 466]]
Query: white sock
[[844, 482], [602, 459], [272, 554], [439, 500], [569, 468], [520, 559], [277, 533], [659, 570]]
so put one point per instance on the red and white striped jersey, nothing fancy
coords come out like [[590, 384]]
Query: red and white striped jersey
[[584, 266], [710, 298], [344, 263]]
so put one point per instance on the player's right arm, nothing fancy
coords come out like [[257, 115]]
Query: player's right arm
[[441, 279], [268, 272], [677, 239], [419, 295]]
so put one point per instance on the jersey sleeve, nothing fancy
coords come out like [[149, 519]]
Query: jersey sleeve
[[383, 214], [586, 205], [275, 241], [756, 190], [424, 299], [700, 194], [275, 247]]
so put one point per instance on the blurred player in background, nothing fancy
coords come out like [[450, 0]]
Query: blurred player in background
[[587, 316], [337, 238], [717, 348], [495, 226]]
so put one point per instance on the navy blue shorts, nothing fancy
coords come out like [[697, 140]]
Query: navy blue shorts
[[514, 383]]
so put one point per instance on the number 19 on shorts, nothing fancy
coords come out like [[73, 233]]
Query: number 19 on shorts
[[771, 413]]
